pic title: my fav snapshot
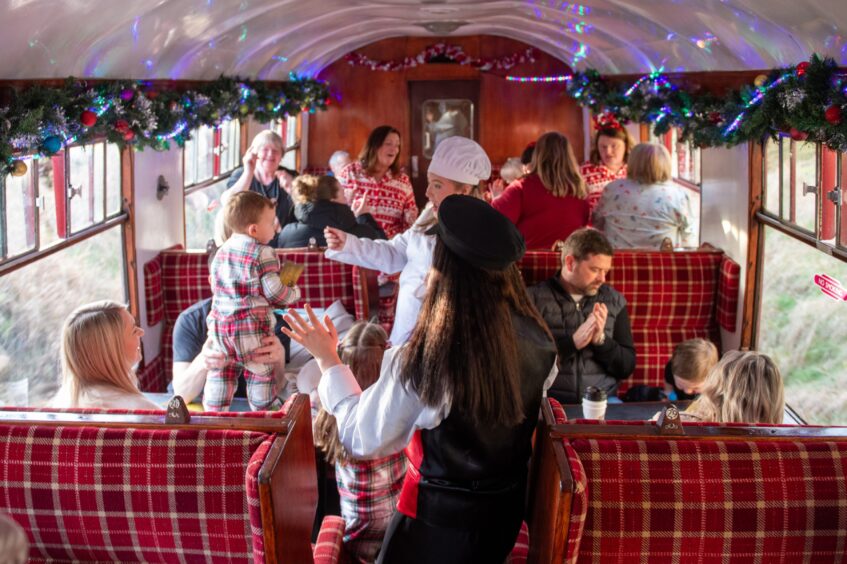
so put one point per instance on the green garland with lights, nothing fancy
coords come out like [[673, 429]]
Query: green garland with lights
[[42, 120], [807, 100]]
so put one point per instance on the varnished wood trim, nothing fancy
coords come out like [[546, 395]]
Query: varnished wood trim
[[128, 194], [122, 421], [288, 490], [753, 276], [697, 432]]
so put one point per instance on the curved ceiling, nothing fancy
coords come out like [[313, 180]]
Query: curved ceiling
[[201, 39]]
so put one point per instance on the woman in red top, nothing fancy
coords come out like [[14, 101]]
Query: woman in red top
[[609, 154], [376, 178], [549, 203]]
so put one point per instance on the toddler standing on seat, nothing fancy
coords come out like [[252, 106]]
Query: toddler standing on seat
[[245, 283], [369, 489]]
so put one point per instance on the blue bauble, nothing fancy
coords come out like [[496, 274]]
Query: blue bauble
[[52, 144]]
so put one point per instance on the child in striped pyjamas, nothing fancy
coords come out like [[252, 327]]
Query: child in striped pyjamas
[[245, 283]]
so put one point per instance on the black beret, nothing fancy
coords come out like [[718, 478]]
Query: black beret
[[478, 233]]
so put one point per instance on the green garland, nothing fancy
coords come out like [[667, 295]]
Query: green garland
[[807, 100], [43, 120]]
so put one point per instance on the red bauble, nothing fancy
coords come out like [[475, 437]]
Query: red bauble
[[129, 136], [798, 135], [715, 117], [88, 118], [801, 68], [152, 94], [833, 114], [122, 125]]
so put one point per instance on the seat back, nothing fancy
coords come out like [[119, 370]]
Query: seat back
[[755, 493], [671, 297], [93, 485], [176, 279]]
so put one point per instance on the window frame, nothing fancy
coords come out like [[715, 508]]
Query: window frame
[[280, 126], [68, 237], [666, 139], [216, 150]]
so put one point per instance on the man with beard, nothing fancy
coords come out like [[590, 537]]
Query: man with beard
[[588, 319]]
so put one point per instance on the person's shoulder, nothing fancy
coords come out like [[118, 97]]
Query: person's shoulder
[[234, 176], [608, 294], [197, 309]]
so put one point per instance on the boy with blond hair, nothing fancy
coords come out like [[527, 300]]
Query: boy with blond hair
[[245, 276]]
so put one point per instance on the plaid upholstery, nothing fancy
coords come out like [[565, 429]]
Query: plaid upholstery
[[330, 546], [558, 411], [184, 281], [671, 297], [728, 287], [521, 549], [153, 291], [86, 493], [712, 500], [151, 376], [387, 310]]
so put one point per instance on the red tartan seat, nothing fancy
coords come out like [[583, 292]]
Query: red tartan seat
[[176, 279], [94, 485], [631, 495], [672, 297]]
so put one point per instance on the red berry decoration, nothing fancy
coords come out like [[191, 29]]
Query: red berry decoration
[[798, 135], [88, 118], [715, 117], [122, 126], [802, 67], [129, 135], [833, 114]]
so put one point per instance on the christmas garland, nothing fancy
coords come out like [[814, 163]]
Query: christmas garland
[[443, 51], [43, 120], [806, 100]]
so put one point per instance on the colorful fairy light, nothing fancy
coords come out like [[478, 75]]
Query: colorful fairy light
[[760, 94], [178, 128], [557, 78], [659, 80]]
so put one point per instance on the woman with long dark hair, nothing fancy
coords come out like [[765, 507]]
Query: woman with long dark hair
[[461, 396]]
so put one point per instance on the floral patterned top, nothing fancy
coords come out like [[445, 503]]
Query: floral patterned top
[[596, 177], [391, 198], [634, 215]]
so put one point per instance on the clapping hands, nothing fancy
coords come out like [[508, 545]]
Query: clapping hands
[[592, 330]]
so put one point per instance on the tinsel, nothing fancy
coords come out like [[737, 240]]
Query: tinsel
[[787, 99], [155, 118]]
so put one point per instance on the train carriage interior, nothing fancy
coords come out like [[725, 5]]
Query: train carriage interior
[[124, 125]]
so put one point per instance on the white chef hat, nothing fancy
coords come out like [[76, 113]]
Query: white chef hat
[[461, 160]]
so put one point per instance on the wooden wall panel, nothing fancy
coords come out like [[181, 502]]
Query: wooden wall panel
[[510, 114]]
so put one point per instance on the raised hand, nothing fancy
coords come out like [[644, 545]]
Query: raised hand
[[362, 206], [335, 238], [249, 160], [320, 339]]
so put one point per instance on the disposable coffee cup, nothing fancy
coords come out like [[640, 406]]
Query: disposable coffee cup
[[594, 403]]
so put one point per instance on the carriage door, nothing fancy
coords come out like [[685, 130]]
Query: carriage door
[[440, 109]]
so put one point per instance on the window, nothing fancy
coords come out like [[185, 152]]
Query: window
[[804, 275], [57, 200], [685, 157], [290, 129], [62, 245], [209, 156]]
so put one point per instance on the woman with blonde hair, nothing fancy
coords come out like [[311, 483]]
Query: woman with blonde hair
[[101, 344], [368, 488], [645, 208], [744, 387], [260, 173], [550, 202]]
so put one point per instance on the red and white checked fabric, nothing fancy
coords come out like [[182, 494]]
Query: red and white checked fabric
[[559, 415], [391, 198], [153, 291], [132, 495], [728, 289], [596, 177], [369, 490], [671, 297], [151, 376], [330, 546], [683, 500], [520, 552]]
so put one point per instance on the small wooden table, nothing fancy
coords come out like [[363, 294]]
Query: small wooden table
[[633, 411]]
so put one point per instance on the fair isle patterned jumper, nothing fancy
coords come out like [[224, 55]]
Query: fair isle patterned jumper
[[391, 198]]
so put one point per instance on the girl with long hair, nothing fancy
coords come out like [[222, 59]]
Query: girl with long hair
[[461, 396], [368, 488], [101, 344], [550, 202], [609, 154]]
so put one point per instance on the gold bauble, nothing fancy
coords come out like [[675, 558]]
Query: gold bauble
[[19, 168], [760, 80]]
